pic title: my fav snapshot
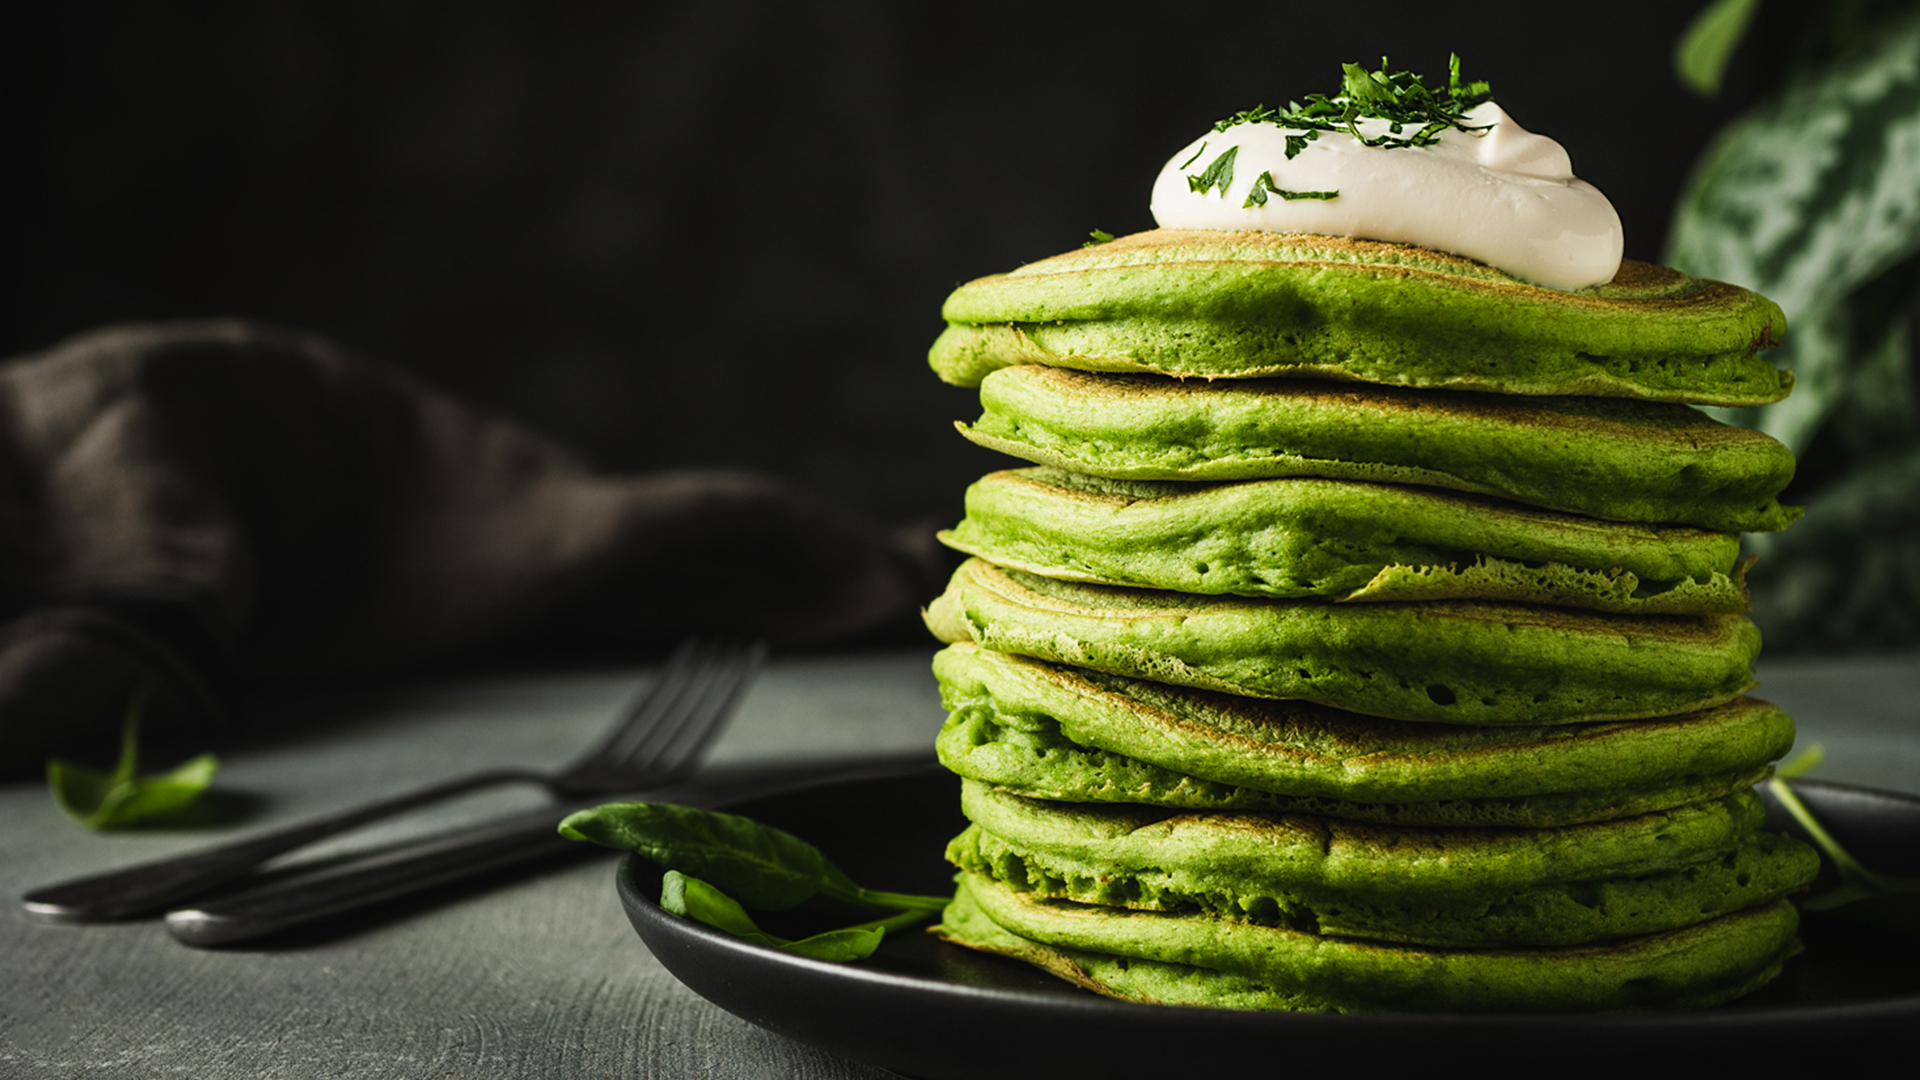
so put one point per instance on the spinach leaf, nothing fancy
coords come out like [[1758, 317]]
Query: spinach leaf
[[695, 899], [111, 800], [711, 857], [769, 869], [1862, 895]]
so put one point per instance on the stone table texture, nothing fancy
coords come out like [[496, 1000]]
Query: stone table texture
[[533, 976]]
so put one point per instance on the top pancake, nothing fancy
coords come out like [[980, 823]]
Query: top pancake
[[1212, 304]]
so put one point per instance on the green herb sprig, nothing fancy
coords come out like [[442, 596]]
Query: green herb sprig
[[718, 865], [1862, 895], [112, 800], [1416, 114]]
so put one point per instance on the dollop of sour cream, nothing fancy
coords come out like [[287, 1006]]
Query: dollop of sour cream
[[1504, 196]]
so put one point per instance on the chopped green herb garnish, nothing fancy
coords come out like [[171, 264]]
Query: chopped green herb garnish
[[1196, 155], [1219, 174], [1416, 115], [1099, 236], [1263, 184]]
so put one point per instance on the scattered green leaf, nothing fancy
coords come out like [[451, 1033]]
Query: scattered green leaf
[[1218, 174], [111, 800], [1195, 157], [1098, 237], [1705, 48], [1263, 184], [1862, 895]]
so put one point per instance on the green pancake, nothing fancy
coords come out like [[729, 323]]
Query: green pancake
[[1453, 662], [1617, 460], [1071, 734], [1467, 888], [1200, 960], [1299, 538], [1243, 304]]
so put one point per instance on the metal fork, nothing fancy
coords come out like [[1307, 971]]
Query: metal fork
[[656, 741]]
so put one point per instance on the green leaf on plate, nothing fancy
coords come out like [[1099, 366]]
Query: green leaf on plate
[[1862, 895], [695, 899], [119, 798], [710, 858], [769, 869]]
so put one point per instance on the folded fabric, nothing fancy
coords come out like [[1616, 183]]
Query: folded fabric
[[215, 499]]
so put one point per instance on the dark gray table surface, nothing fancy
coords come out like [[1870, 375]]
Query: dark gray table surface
[[541, 976]]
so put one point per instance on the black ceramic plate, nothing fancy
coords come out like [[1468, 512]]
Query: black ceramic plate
[[927, 1009]]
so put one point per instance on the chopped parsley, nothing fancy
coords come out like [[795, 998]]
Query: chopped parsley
[[1099, 236], [1219, 174], [1416, 115], [1263, 184]]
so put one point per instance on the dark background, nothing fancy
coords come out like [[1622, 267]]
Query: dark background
[[707, 233]]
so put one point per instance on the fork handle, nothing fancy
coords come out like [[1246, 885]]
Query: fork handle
[[530, 837], [152, 886], [269, 909]]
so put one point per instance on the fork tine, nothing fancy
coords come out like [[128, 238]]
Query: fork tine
[[665, 729], [669, 748], [662, 702], [723, 698], [639, 711]]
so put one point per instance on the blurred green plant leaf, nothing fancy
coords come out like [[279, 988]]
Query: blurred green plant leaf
[[119, 798], [1701, 56], [1813, 199], [1816, 192]]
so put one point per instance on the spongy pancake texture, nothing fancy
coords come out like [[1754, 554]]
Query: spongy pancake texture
[[1073, 734], [1240, 304], [1471, 888], [1341, 540], [1615, 460], [1459, 662], [1195, 959]]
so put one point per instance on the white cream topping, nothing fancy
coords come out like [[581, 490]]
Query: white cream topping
[[1505, 196]]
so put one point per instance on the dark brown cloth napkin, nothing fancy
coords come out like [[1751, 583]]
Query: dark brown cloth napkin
[[218, 501]]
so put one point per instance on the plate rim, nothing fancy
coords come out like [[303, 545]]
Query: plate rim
[[682, 939]]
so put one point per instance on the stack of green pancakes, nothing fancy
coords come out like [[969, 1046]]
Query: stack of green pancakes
[[1368, 634]]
